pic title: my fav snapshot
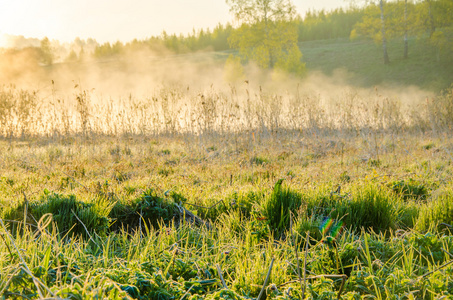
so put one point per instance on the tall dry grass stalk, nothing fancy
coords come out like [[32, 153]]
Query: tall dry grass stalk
[[212, 112]]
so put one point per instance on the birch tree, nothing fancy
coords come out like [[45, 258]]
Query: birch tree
[[384, 38], [267, 33]]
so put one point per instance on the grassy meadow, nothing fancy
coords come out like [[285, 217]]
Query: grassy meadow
[[247, 191], [362, 61]]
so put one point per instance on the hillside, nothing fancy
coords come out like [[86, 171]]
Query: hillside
[[363, 62]]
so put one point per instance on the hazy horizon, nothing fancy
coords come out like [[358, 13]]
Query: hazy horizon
[[110, 21]]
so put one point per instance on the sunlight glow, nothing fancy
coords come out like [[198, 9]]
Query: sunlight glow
[[2, 40], [122, 20]]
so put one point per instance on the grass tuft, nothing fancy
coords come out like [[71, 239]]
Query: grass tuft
[[277, 206]]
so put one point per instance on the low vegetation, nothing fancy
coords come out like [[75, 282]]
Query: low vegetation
[[319, 212], [262, 186]]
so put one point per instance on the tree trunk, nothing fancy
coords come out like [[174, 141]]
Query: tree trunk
[[384, 40], [266, 29], [405, 30], [432, 25]]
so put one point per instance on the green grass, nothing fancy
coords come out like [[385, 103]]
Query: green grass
[[280, 206], [391, 241], [355, 195], [363, 62]]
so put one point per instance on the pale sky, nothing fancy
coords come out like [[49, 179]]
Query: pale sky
[[124, 20]]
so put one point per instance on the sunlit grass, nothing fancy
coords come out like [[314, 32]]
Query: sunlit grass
[[157, 214]]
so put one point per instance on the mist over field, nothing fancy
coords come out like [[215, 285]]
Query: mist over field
[[149, 91]]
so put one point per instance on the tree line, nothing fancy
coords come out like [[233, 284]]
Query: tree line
[[269, 31], [384, 20], [315, 25]]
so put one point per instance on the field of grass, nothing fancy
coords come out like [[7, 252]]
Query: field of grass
[[253, 195], [363, 61]]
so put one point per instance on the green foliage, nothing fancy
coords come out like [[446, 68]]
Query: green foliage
[[344, 177], [291, 62], [169, 261], [165, 171], [107, 50], [321, 25], [374, 163], [340, 259], [371, 25], [314, 25], [428, 146], [405, 18], [245, 202], [165, 152], [268, 34], [201, 40], [311, 224], [81, 218], [429, 245], [154, 208]]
